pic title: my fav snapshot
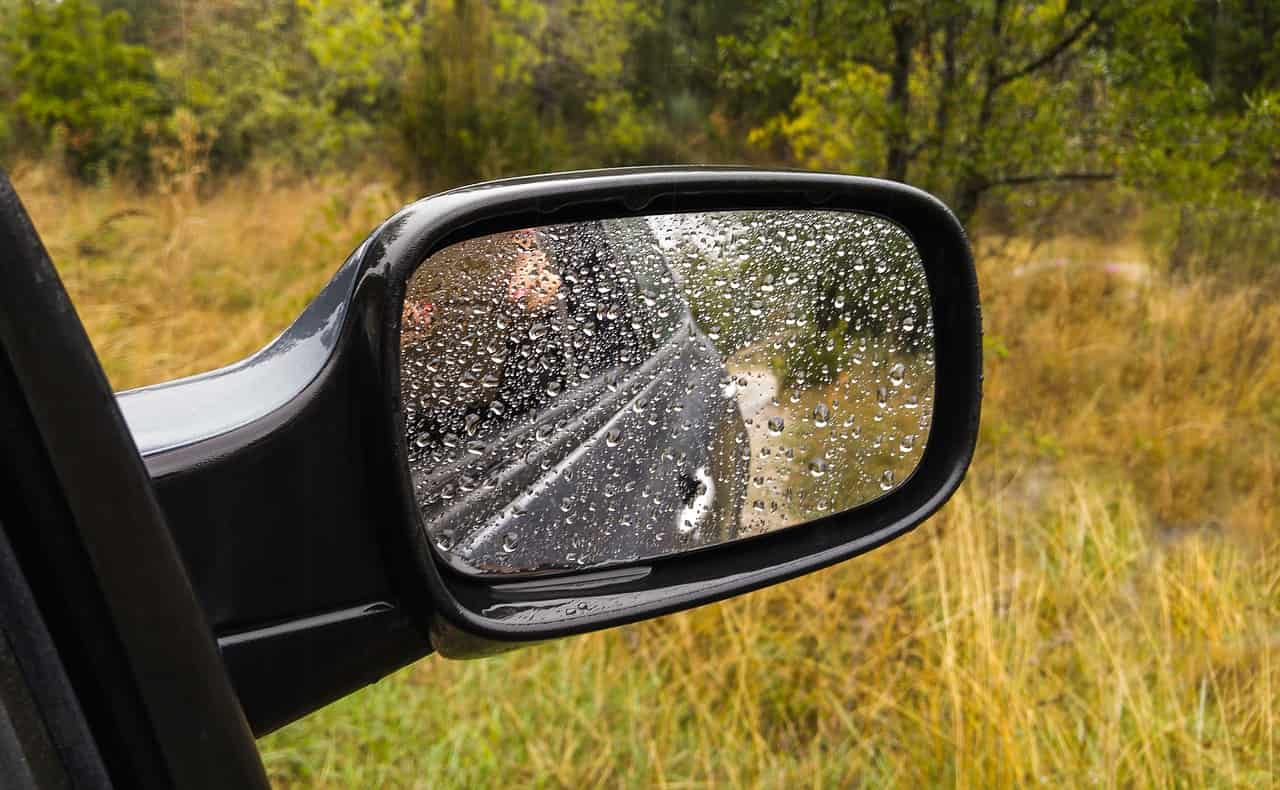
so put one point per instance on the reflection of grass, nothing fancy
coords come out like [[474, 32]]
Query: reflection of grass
[[860, 443], [1097, 605]]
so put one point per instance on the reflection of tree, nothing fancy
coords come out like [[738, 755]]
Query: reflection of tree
[[827, 281]]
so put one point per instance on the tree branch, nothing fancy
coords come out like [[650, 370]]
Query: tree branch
[[1052, 54], [874, 63], [1038, 178]]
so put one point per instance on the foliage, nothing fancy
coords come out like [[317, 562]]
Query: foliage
[[80, 87], [516, 86], [308, 83], [987, 103], [977, 98]]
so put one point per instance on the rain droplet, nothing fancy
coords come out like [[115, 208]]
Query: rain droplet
[[818, 467], [897, 373], [776, 425], [538, 330], [509, 542], [821, 415], [907, 443], [613, 437], [886, 480]]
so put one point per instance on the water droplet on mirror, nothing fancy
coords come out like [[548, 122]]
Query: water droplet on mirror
[[538, 330], [897, 373], [758, 505], [821, 415], [818, 467], [776, 424], [907, 443], [472, 424], [445, 540], [886, 480], [613, 437], [509, 542]]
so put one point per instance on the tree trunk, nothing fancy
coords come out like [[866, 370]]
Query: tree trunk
[[897, 134], [968, 195]]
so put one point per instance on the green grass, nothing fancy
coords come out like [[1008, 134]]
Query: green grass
[[1100, 604]]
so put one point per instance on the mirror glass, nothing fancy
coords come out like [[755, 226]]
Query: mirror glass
[[581, 395]]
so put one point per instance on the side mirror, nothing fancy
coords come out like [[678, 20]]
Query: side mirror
[[544, 406]]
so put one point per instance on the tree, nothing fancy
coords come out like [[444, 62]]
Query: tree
[[966, 98], [78, 85]]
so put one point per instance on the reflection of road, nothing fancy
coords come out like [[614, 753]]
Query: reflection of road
[[760, 389], [759, 396]]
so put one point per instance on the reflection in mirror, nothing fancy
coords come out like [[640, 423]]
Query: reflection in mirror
[[594, 393]]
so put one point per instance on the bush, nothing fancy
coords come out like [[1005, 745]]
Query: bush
[[81, 88]]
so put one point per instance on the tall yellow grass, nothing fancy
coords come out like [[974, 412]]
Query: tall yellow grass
[[1099, 604]]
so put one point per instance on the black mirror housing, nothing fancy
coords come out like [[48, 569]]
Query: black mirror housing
[[472, 617]]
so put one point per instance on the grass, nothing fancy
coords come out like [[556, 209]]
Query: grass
[[1099, 604]]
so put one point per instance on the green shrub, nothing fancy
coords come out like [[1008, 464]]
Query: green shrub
[[81, 88]]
